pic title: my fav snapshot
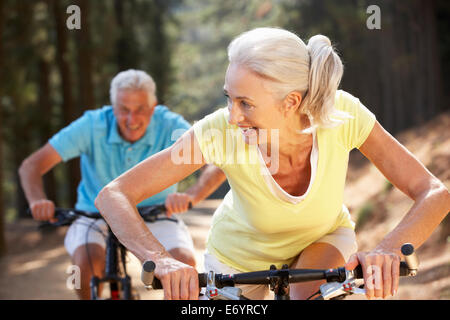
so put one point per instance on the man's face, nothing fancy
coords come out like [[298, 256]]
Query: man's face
[[133, 113]]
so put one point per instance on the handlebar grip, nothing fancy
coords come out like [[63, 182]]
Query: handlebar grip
[[147, 274], [156, 283], [404, 271], [407, 268], [202, 281], [410, 257], [150, 281]]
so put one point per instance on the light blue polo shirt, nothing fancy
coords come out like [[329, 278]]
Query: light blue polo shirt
[[105, 155]]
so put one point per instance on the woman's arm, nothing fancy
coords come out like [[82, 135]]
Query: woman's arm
[[431, 205], [117, 203], [408, 174]]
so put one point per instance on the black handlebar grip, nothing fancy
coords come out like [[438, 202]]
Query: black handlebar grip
[[202, 281], [410, 256], [147, 273], [156, 284], [149, 280], [404, 271]]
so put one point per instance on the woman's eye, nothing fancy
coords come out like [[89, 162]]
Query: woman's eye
[[245, 104]]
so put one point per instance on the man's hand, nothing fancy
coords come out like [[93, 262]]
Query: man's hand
[[178, 203], [43, 210]]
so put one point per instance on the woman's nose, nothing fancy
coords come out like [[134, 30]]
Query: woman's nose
[[235, 114]]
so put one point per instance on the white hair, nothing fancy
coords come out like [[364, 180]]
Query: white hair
[[132, 79], [314, 70]]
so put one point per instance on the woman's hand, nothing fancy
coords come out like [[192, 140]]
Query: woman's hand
[[179, 280], [178, 203], [381, 270]]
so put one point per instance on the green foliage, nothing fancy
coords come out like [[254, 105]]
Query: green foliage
[[183, 45], [200, 55], [364, 215]]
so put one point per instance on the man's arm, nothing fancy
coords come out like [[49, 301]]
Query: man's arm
[[210, 179], [31, 171]]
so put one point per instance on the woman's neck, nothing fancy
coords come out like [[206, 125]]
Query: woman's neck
[[291, 141]]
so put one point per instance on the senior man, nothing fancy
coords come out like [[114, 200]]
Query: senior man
[[110, 141]]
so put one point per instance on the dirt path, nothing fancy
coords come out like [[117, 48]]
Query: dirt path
[[36, 264]]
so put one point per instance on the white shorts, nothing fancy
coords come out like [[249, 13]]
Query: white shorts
[[344, 239], [86, 230]]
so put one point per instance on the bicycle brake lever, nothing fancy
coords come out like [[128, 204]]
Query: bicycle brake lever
[[61, 220], [225, 293], [349, 286]]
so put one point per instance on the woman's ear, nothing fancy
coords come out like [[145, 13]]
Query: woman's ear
[[292, 102]]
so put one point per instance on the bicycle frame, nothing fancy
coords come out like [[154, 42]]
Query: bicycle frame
[[114, 251], [119, 281]]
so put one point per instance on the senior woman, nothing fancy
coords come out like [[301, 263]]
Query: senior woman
[[283, 142]]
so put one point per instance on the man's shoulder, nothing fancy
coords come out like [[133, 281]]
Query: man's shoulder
[[99, 113], [162, 113], [99, 118]]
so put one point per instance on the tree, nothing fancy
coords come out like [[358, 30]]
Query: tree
[[69, 111], [2, 206], [84, 45]]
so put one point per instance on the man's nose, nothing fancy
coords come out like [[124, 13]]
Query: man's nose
[[235, 114], [132, 117]]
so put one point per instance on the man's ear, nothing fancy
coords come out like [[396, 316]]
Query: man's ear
[[154, 102]]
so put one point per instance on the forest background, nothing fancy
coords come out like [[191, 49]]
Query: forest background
[[50, 74]]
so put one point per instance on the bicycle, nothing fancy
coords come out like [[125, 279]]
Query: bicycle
[[340, 282], [115, 263]]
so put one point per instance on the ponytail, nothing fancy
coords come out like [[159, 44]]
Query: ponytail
[[325, 74]]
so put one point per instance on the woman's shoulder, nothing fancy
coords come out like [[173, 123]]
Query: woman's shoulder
[[356, 127], [345, 101], [217, 119]]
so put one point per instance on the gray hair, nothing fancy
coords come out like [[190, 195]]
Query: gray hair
[[132, 79], [314, 70]]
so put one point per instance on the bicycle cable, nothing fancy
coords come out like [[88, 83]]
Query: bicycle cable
[[90, 225], [315, 293]]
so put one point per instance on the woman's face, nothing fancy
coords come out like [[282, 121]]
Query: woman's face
[[253, 108]]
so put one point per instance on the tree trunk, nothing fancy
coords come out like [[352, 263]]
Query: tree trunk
[[69, 112], [127, 52], [160, 70], [86, 86], [2, 207], [435, 84]]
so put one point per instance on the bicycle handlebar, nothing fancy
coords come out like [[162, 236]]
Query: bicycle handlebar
[[407, 268], [67, 216]]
